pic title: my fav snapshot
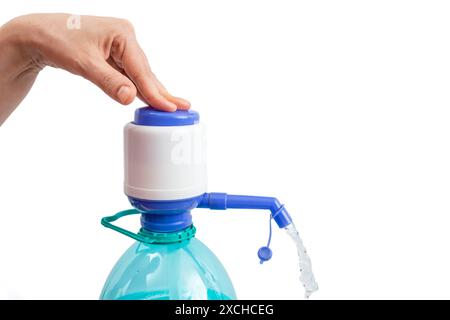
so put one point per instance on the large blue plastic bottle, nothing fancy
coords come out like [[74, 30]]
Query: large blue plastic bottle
[[169, 269]]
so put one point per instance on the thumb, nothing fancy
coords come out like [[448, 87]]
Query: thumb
[[111, 81]]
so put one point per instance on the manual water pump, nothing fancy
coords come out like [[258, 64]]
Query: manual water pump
[[165, 179]]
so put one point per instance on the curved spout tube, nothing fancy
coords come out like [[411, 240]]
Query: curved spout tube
[[223, 201]]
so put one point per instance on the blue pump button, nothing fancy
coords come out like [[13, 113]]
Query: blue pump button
[[148, 116]]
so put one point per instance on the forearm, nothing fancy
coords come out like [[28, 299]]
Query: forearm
[[19, 66]]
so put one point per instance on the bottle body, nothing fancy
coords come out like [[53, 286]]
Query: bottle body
[[185, 270]]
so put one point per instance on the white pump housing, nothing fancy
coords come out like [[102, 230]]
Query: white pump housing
[[165, 162]]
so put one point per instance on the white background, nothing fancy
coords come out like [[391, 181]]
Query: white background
[[338, 108]]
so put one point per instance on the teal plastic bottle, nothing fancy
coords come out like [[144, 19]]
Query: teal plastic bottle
[[168, 269]]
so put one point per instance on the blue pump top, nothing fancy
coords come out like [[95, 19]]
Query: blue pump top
[[147, 116]]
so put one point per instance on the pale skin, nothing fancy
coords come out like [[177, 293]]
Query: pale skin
[[103, 50]]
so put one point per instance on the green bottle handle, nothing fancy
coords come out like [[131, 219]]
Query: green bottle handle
[[147, 236], [106, 222]]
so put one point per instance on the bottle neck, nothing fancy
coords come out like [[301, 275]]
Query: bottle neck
[[165, 215], [168, 237]]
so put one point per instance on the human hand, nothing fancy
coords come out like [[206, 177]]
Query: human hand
[[102, 50]]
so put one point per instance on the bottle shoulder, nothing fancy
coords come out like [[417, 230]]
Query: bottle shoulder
[[189, 266], [190, 248]]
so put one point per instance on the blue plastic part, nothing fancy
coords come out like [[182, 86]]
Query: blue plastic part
[[175, 215], [165, 205], [147, 116], [162, 221], [165, 216], [264, 254], [223, 201], [185, 270], [270, 231]]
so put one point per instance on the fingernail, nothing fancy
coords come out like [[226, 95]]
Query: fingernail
[[187, 104], [124, 94], [172, 106]]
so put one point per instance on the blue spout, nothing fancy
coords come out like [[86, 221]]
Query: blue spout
[[174, 215], [223, 201]]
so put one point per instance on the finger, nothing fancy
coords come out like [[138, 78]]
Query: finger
[[136, 66], [141, 97], [111, 81], [181, 103]]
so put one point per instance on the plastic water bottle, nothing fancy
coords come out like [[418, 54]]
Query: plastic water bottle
[[175, 266], [165, 179]]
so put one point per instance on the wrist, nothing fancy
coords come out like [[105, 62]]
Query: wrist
[[21, 46]]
